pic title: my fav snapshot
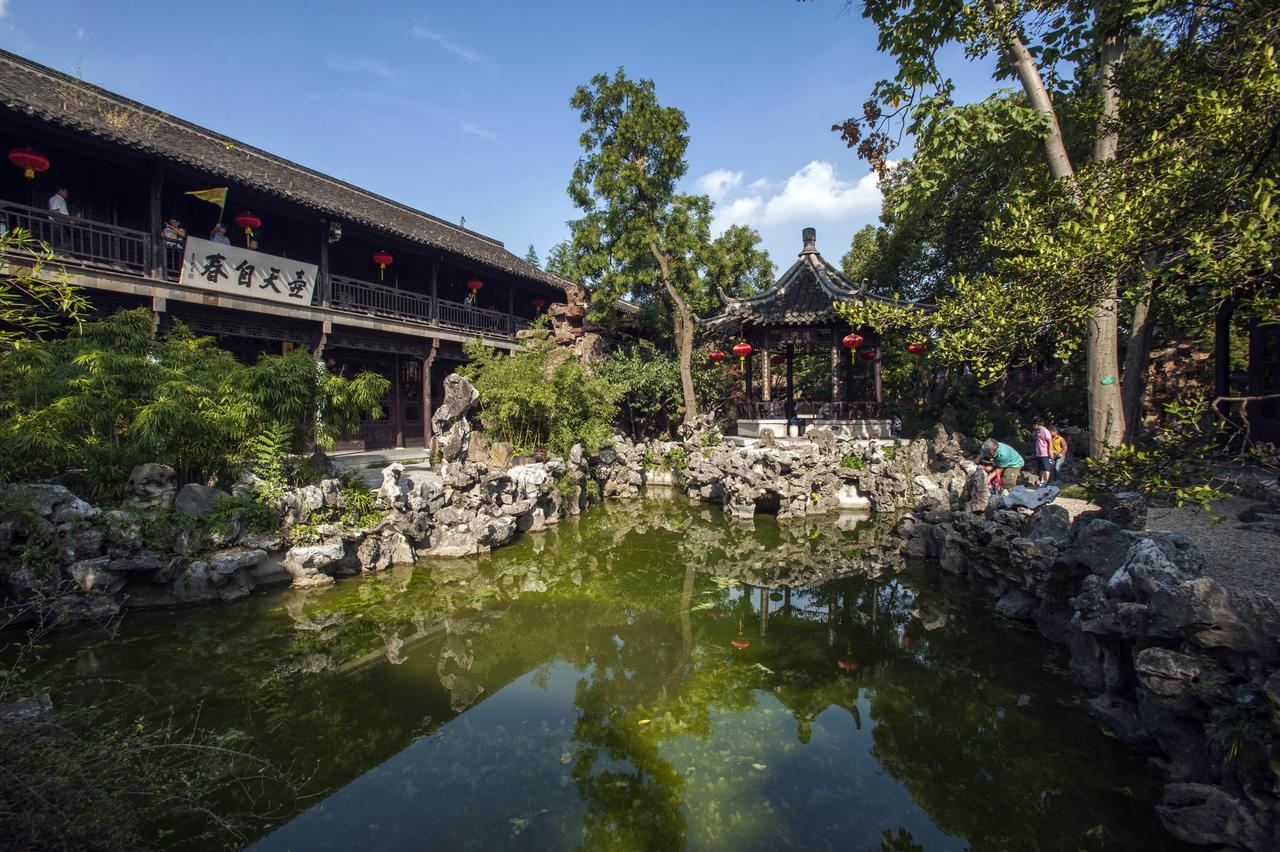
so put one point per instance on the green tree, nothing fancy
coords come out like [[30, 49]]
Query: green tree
[[111, 395], [638, 236], [1099, 218], [35, 298], [737, 266], [531, 257], [864, 254]]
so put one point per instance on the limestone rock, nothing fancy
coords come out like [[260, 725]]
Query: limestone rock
[[1125, 509], [196, 499], [95, 575], [1205, 815], [233, 559], [381, 551], [307, 564], [1021, 497], [151, 486]]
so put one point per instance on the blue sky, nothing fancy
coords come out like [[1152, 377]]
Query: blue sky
[[461, 108]]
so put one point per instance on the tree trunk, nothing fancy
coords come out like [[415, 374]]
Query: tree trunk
[[684, 331], [1106, 405], [1133, 380], [1106, 413]]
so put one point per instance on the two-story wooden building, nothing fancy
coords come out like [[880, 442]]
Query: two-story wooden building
[[360, 280]]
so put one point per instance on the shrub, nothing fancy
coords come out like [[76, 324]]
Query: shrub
[[110, 396], [541, 396], [853, 463]]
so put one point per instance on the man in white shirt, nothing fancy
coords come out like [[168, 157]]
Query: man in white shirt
[[58, 201]]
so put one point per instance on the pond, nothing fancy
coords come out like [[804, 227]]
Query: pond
[[651, 675]]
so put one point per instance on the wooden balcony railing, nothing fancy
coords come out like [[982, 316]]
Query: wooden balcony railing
[[83, 240], [351, 294], [776, 409]]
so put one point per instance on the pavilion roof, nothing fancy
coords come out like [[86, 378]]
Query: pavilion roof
[[43, 93], [804, 296]]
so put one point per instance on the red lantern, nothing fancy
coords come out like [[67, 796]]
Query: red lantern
[[917, 348], [249, 222], [474, 285], [716, 355], [383, 260], [742, 350], [852, 341], [538, 303], [740, 644], [29, 161], [870, 354]]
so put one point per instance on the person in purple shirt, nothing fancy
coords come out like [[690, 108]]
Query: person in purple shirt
[[1043, 452]]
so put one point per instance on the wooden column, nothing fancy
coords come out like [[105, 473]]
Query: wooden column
[[159, 305], [766, 375], [317, 351], [835, 373], [848, 376], [397, 417], [427, 364], [1222, 351], [323, 290], [791, 399], [435, 300], [875, 375], [747, 367], [155, 221], [511, 309]]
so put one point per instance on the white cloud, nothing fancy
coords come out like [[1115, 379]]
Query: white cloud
[[446, 43], [815, 192], [4, 8], [487, 135], [364, 66], [717, 183], [740, 211]]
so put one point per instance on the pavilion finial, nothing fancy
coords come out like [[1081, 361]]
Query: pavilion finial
[[810, 237]]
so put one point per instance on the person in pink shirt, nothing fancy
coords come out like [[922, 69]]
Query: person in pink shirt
[[1043, 449]]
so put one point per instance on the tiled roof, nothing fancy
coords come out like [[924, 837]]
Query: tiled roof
[[35, 90]]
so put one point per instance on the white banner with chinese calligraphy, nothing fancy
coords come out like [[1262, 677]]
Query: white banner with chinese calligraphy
[[238, 271]]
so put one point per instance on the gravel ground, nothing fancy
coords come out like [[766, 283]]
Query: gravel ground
[[1238, 558]]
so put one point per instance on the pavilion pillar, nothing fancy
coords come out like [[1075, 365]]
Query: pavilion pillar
[[835, 373], [875, 378], [791, 398], [747, 367], [766, 376], [435, 283]]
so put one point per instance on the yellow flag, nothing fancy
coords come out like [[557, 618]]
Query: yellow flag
[[216, 196]]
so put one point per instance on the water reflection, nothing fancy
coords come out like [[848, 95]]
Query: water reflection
[[650, 676]]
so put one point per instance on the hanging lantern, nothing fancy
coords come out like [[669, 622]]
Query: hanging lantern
[[742, 350], [917, 348], [29, 161], [538, 304], [740, 644], [249, 222], [846, 664], [383, 260], [870, 354], [716, 355], [852, 341]]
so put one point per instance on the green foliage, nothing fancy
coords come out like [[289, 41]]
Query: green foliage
[[853, 462], [677, 459], [648, 386], [541, 396], [110, 396], [1169, 466], [891, 452], [35, 300]]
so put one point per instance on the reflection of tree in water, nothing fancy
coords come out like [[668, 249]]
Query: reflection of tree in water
[[644, 600]]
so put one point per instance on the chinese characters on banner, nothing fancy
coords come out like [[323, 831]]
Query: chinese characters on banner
[[237, 271]]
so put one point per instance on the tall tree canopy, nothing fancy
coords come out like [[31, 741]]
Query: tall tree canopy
[[639, 237], [1155, 132]]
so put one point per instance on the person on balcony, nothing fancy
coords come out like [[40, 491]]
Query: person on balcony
[[219, 235], [173, 234], [58, 201]]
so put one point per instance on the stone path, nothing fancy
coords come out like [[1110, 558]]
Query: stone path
[[1239, 557]]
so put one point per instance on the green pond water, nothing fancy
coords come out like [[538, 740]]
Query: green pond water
[[652, 675]]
